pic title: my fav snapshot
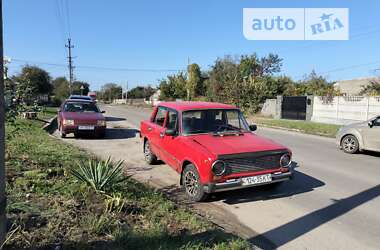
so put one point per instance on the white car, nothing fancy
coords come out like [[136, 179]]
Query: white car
[[360, 136]]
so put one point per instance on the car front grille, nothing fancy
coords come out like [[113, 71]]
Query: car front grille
[[252, 162]]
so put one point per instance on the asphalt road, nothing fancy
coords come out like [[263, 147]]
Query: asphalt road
[[332, 203]]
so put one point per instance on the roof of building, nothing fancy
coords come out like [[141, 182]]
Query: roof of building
[[195, 105], [354, 86]]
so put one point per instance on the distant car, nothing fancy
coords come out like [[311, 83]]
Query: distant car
[[92, 95], [80, 97], [360, 136], [81, 117], [212, 148]]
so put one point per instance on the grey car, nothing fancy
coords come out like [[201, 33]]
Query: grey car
[[360, 136]]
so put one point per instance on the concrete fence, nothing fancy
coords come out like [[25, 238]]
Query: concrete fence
[[345, 109]]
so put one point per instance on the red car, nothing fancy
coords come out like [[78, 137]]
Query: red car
[[212, 147], [81, 117]]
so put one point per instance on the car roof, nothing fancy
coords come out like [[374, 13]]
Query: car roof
[[184, 105], [79, 97], [79, 100]]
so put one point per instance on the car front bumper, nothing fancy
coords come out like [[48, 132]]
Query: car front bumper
[[238, 184], [74, 129]]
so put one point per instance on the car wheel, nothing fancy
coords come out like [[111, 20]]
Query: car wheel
[[192, 183], [150, 158], [61, 133], [350, 144]]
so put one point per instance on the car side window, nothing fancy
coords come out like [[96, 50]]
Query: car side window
[[159, 119], [376, 122], [172, 121]]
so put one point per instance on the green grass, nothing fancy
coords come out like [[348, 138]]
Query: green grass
[[47, 113], [48, 206], [307, 127]]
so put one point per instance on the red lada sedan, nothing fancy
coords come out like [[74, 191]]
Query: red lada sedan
[[212, 148], [81, 117]]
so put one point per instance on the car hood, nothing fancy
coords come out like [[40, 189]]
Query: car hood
[[232, 144], [82, 116]]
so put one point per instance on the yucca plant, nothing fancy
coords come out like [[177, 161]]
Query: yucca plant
[[101, 175]]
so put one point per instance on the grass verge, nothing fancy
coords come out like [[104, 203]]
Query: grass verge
[[307, 127], [48, 207]]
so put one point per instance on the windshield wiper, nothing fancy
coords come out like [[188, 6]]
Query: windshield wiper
[[226, 132]]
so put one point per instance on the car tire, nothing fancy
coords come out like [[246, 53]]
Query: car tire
[[192, 184], [350, 144], [150, 158]]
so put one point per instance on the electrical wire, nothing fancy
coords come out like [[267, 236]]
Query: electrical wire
[[98, 67]]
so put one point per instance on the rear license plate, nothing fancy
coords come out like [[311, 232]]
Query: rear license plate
[[86, 127], [256, 179]]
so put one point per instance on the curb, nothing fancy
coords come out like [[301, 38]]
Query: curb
[[294, 130]]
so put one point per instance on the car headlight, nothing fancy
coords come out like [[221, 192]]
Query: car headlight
[[101, 123], [285, 160], [68, 122], [218, 168]]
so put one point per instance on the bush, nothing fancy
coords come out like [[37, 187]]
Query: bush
[[103, 176]]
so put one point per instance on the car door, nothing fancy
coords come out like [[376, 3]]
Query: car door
[[371, 135], [155, 129], [170, 145]]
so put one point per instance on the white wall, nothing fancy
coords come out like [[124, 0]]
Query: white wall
[[269, 108], [345, 109]]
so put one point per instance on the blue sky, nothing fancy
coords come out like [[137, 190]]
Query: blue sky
[[164, 34]]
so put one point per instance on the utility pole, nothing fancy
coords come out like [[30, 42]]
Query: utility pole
[[126, 93], [3, 200], [71, 67]]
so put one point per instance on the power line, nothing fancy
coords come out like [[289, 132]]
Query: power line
[[68, 18], [343, 68], [98, 67]]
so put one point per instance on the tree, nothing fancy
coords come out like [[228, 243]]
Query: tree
[[76, 88], [194, 82], [256, 67], [35, 79], [174, 87], [61, 88], [373, 89], [110, 92], [141, 92], [315, 84]]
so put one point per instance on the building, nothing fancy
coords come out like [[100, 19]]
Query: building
[[354, 86]]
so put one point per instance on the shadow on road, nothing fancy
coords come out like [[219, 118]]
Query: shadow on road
[[301, 183], [309, 222], [113, 134], [114, 119], [371, 153], [121, 133]]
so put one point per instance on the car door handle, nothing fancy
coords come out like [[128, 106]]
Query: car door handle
[[149, 128], [162, 134]]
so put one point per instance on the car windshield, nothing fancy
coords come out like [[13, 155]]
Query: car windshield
[[80, 107], [213, 121]]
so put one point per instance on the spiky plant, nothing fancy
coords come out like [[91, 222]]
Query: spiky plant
[[101, 175]]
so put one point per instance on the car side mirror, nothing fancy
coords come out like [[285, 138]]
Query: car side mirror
[[370, 124], [253, 127], [170, 132], [103, 111]]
